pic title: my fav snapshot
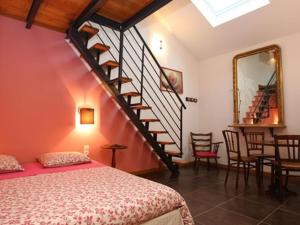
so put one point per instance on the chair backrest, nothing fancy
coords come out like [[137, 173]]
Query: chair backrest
[[287, 147], [255, 142], [232, 143], [201, 142]]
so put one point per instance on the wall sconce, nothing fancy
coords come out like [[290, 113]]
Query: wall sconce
[[160, 45], [86, 115]]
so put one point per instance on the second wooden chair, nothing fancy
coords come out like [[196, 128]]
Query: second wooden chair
[[287, 158], [255, 148], [235, 158]]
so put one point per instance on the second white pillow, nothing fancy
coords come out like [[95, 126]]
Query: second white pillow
[[57, 159]]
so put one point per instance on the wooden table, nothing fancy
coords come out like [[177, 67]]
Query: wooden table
[[114, 147], [260, 167], [273, 189], [260, 160]]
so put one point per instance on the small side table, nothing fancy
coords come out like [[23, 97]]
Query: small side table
[[260, 167], [114, 147]]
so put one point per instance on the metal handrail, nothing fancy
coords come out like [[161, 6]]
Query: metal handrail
[[157, 63], [144, 66], [145, 90], [156, 73], [178, 134], [148, 84]]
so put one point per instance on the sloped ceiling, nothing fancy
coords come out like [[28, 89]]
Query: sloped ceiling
[[181, 18]]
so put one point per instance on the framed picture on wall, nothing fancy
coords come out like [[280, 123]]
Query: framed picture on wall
[[175, 78]]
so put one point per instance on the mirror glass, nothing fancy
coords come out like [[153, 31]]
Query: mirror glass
[[257, 92]]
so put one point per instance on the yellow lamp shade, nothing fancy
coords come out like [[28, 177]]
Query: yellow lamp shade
[[86, 115]]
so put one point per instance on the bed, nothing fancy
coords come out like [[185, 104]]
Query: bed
[[89, 194]]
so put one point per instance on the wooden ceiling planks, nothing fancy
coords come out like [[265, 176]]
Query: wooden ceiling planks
[[54, 14], [17, 8], [57, 14], [117, 11]]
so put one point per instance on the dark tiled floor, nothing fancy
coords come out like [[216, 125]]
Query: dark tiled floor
[[212, 204]]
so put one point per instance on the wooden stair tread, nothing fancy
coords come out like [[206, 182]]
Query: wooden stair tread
[[100, 47], [173, 153], [166, 142], [150, 120], [132, 94], [110, 63], [142, 107], [89, 29], [123, 80], [158, 132]]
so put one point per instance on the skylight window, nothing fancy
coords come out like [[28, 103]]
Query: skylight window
[[221, 11]]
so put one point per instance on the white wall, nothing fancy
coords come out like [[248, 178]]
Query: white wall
[[216, 92], [175, 56]]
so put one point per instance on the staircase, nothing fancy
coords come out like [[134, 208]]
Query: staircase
[[264, 109], [129, 71]]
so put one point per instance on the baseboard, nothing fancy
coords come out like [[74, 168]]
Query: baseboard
[[153, 170], [183, 163], [186, 163], [224, 167], [180, 163]]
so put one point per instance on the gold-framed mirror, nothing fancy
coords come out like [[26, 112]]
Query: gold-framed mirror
[[257, 88]]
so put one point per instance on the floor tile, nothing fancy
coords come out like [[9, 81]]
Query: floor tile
[[248, 208], [281, 217], [259, 196], [212, 203], [196, 207], [184, 188], [208, 196], [218, 216], [292, 204], [229, 190]]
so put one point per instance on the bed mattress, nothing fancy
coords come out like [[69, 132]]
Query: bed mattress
[[91, 195]]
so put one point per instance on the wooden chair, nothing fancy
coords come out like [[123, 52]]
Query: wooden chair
[[255, 148], [287, 158], [235, 158], [204, 148], [255, 143]]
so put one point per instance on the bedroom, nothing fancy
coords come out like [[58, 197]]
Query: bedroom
[[44, 84]]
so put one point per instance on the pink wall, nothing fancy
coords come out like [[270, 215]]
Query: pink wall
[[42, 83]]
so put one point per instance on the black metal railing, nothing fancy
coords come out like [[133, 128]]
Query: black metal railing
[[136, 58], [263, 102]]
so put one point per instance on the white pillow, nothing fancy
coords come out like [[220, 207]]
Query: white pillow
[[9, 164], [57, 159]]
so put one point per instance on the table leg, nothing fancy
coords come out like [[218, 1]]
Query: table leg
[[274, 187], [113, 160], [258, 173], [261, 171]]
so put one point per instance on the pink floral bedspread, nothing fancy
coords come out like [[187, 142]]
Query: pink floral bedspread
[[92, 196]]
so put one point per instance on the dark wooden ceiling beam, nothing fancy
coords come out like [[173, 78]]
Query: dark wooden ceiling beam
[[89, 11], [32, 12], [105, 21], [145, 12]]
